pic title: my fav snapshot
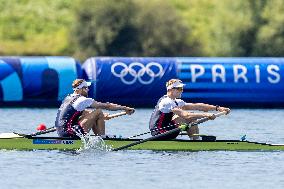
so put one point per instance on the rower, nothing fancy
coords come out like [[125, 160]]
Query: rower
[[171, 111], [74, 118]]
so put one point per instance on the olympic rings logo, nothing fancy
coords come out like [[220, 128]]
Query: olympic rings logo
[[129, 74]]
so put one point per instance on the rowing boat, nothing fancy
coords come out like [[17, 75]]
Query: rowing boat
[[15, 141], [56, 143]]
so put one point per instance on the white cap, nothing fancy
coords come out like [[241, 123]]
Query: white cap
[[82, 85], [177, 84]]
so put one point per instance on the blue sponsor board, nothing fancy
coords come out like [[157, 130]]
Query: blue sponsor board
[[233, 81], [130, 81], [45, 81], [52, 141], [242, 82]]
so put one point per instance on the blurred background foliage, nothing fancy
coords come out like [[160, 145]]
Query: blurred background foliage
[[85, 28], [38, 27]]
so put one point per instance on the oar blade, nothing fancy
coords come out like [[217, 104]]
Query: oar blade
[[10, 135]]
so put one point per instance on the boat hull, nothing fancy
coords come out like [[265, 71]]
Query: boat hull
[[53, 143]]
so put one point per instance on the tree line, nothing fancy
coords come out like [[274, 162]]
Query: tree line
[[85, 28]]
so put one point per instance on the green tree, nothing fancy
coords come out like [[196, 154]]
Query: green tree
[[105, 28], [215, 25], [248, 35], [162, 31], [270, 38], [30, 27], [129, 28]]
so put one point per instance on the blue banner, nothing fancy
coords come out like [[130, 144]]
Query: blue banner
[[244, 82], [131, 81], [141, 81], [233, 81], [36, 80]]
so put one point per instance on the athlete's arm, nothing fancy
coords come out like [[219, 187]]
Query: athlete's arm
[[190, 115], [199, 106], [112, 107], [204, 107]]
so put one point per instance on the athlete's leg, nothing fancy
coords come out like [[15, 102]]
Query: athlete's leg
[[190, 131], [93, 120]]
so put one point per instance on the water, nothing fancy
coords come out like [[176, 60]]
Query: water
[[147, 169]]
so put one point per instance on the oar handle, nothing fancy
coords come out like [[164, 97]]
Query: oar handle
[[116, 115], [202, 120]]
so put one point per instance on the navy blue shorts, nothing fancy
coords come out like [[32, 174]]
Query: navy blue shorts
[[158, 129]]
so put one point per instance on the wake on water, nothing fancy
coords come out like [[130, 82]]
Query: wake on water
[[93, 143]]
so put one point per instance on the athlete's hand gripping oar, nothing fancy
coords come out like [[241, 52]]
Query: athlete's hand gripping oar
[[180, 128]]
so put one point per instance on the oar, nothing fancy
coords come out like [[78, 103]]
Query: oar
[[178, 129], [151, 130], [18, 135], [48, 130], [116, 115]]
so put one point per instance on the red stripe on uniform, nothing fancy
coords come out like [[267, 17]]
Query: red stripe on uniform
[[160, 123], [69, 123]]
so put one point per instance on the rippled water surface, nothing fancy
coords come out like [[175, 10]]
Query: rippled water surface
[[147, 169]]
